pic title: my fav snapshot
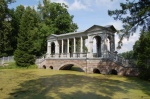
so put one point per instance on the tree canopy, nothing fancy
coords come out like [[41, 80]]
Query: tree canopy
[[134, 14], [142, 55], [24, 30], [5, 30]]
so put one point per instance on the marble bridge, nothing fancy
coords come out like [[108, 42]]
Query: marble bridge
[[76, 49]]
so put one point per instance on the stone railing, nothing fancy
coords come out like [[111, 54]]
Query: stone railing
[[118, 59], [67, 55], [108, 55], [4, 60], [40, 59]]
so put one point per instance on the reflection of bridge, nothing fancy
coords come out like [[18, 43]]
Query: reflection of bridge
[[67, 50]]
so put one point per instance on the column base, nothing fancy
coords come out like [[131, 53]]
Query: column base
[[56, 55], [81, 55], [89, 55], [74, 55], [68, 55]]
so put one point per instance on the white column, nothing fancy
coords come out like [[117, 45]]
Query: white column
[[67, 45], [113, 44], [74, 45], [49, 48], [90, 47], [56, 49], [62, 47], [81, 48], [68, 54], [74, 50], [104, 47]]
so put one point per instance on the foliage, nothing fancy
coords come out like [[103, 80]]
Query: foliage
[[133, 14], [16, 17], [25, 30], [56, 16], [55, 19], [24, 54], [142, 52], [127, 55], [5, 30]]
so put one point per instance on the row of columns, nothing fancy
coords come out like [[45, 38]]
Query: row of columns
[[57, 45], [103, 46]]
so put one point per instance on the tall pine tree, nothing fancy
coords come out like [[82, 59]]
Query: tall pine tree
[[142, 53], [24, 55], [5, 29]]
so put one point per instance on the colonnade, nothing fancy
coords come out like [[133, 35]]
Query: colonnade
[[65, 45], [69, 47]]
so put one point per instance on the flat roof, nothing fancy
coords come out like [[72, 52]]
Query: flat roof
[[79, 32]]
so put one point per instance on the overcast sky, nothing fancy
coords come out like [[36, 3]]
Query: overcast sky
[[88, 13]]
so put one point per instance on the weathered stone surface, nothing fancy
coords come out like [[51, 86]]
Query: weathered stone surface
[[105, 67]]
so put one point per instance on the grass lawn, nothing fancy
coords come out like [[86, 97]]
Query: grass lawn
[[49, 84]]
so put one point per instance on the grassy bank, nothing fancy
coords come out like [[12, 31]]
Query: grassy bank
[[12, 65], [48, 84]]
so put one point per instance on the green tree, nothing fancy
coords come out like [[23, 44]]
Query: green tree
[[133, 14], [127, 55], [15, 21], [61, 19], [24, 55], [136, 47], [55, 19], [5, 29], [142, 52]]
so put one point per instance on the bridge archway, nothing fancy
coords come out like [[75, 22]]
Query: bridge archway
[[113, 72], [44, 66], [96, 71], [71, 66], [51, 67]]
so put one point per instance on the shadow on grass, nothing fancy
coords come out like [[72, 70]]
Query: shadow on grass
[[141, 84], [71, 86]]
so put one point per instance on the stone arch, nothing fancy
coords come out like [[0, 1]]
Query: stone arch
[[44, 66], [53, 48], [51, 67], [68, 65], [97, 46], [97, 71], [114, 72]]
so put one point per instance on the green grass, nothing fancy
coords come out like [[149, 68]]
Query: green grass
[[49, 84], [12, 65]]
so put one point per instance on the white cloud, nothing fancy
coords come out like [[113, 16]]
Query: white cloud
[[106, 3], [77, 5], [127, 43], [88, 4]]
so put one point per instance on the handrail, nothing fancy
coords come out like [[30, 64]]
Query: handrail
[[108, 55]]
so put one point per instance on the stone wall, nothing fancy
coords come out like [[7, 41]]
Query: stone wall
[[88, 65]]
